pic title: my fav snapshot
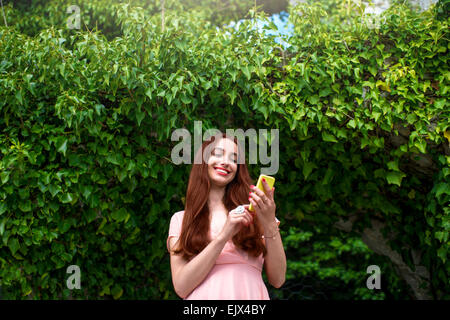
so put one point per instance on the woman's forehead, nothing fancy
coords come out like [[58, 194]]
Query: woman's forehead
[[227, 145]]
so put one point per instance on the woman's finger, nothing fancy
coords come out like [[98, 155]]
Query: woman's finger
[[254, 203], [260, 194], [247, 219], [257, 199], [242, 220], [267, 189], [251, 213]]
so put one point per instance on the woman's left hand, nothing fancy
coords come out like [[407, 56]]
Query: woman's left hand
[[263, 204]]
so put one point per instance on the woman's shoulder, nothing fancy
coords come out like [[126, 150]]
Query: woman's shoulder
[[175, 223], [178, 215]]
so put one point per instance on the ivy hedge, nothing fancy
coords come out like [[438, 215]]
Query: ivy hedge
[[87, 116]]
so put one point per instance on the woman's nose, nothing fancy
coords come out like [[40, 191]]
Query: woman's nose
[[225, 163]]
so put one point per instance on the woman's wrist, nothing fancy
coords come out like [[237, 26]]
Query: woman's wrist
[[222, 238], [271, 229]]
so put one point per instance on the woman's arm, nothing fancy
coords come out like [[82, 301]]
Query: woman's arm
[[275, 259], [187, 275]]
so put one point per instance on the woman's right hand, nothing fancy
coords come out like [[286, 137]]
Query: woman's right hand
[[235, 222]]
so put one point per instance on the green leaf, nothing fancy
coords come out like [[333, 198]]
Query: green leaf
[[373, 71], [5, 177], [352, 124], [376, 115], [19, 96], [120, 215], [395, 177], [442, 188], [3, 207], [328, 137], [411, 118], [13, 245], [324, 92], [233, 74], [116, 291], [314, 99], [167, 170], [86, 191], [140, 115], [105, 290], [62, 147], [25, 206], [114, 158], [185, 99], [148, 93], [308, 168], [246, 71], [66, 257], [393, 165], [63, 227], [442, 253], [421, 145], [54, 189], [2, 227], [232, 95], [328, 176], [440, 103], [66, 198]]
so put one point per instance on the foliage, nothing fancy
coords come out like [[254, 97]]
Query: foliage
[[86, 120], [326, 264]]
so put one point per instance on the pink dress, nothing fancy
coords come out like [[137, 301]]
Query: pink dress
[[235, 275]]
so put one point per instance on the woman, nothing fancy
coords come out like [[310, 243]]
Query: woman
[[215, 252]]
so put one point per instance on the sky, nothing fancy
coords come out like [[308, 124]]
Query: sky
[[281, 21], [285, 28]]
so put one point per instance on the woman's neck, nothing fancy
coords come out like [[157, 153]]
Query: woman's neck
[[215, 199]]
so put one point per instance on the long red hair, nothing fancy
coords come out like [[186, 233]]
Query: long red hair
[[195, 227]]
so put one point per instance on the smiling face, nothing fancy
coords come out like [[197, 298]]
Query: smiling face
[[222, 164]]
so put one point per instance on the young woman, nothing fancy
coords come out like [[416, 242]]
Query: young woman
[[215, 251]]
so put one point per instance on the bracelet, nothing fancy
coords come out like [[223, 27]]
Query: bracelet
[[266, 237]]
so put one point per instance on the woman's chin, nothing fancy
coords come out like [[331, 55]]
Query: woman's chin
[[221, 181]]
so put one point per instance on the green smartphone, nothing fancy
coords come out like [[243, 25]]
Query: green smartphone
[[270, 181]]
